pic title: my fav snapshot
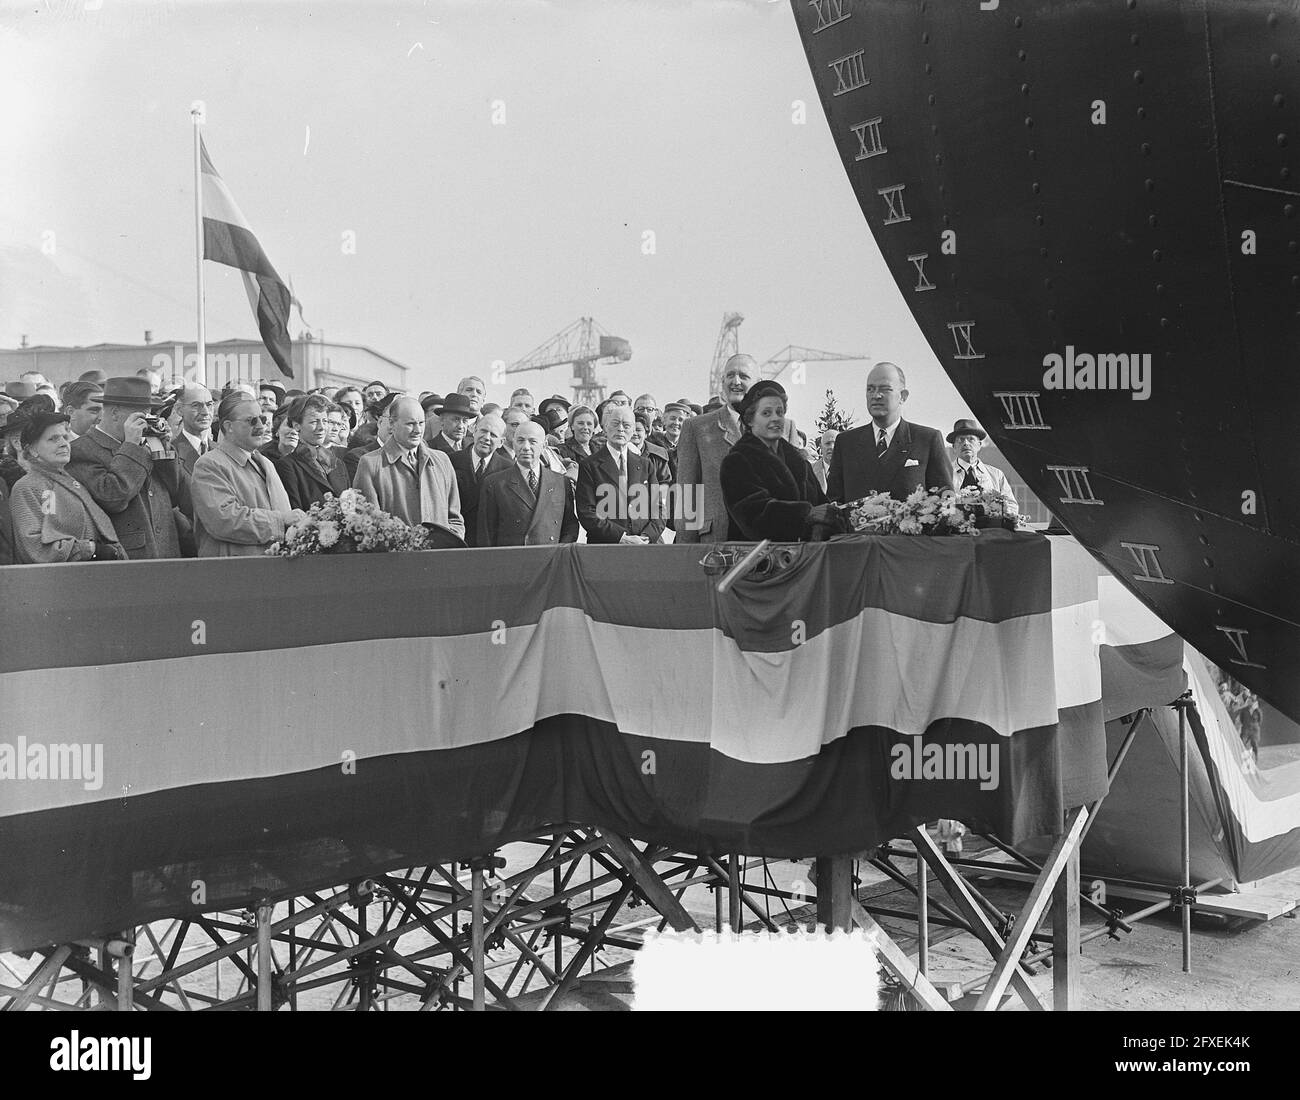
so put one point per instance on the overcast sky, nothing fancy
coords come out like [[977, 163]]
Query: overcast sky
[[475, 241]]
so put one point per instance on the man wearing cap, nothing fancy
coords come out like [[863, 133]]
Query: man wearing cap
[[135, 477], [968, 472], [270, 395], [704, 442], [409, 480], [374, 391], [527, 504], [432, 421], [83, 402], [473, 466], [456, 414], [889, 455]]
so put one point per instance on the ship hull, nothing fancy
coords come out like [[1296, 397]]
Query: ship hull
[[1091, 211]]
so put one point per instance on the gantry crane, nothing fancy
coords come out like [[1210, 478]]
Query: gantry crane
[[729, 343], [583, 344]]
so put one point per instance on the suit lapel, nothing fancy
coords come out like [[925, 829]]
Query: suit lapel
[[518, 486], [725, 428]]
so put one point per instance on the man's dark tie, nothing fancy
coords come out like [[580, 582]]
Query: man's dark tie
[[970, 481], [532, 483], [479, 463], [882, 444]]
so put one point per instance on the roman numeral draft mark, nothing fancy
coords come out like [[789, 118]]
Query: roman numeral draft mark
[[1075, 486], [961, 331], [1021, 411], [895, 210], [829, 12], [918, 261], [1144, 557], [1237, 636], [869, 141], [850, 73]]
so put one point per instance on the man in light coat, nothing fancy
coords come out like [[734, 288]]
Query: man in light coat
[[240, 506], [408, 479]]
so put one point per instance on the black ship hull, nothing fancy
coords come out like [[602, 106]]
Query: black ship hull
[[1091, 209]]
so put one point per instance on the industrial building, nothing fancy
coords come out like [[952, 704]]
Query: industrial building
[[316, 362]]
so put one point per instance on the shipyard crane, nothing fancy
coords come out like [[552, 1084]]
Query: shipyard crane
[[582, 344], [774, 366]]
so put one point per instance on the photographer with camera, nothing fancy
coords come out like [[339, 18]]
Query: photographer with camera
[[131, 471]]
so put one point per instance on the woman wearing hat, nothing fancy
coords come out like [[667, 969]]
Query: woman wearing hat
[[767, 485], [54, 516]]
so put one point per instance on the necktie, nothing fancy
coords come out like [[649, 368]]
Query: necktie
[[970, 481], [882, 444], [532, 483]]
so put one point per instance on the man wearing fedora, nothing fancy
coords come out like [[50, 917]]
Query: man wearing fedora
[[888, 455], [131, 474], [456, 414], [968, 472]]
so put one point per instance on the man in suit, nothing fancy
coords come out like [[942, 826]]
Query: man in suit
[[704, 442], [456, 415], [621, 495], [353, 457], [195, 437], [889, 455], [527, 504], [484, 457], [825, 450], [407, 479], [135, 477]]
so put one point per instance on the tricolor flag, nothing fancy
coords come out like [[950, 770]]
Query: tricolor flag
[[228, 239]]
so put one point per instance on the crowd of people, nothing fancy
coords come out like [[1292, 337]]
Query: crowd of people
[[114, 468]]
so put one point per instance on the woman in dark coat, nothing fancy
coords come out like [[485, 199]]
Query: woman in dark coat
[[769, 488], [312, 468]]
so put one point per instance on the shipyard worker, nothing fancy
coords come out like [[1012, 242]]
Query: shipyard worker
[[311, 470], [54, 517], [527, 504], [130, 467], [409, 480], [767, 484], [240, 506], [969, 472], [890, 454], [704, 442], [473, 466], [621, 496]]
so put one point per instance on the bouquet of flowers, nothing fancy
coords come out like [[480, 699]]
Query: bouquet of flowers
[[930, 512], [348, 524]]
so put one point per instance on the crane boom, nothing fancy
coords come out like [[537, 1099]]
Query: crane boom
[[792, 353], [580, 344]]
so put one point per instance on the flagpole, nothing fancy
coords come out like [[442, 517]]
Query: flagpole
[[197, 115]]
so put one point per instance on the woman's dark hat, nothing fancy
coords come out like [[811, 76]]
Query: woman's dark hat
[[36, 424], [766, 388]]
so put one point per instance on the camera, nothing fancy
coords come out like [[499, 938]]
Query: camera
[[157, 426]]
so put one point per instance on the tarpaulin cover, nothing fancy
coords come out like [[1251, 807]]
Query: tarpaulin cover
[[270, 725]]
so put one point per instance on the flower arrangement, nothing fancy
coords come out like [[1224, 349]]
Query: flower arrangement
[[930, 512], [348, 523]]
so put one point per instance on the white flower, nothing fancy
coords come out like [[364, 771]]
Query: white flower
[[291, 534], [328, 534]]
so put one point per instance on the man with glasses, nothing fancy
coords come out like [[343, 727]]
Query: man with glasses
[[240, 505], [195, 405]]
